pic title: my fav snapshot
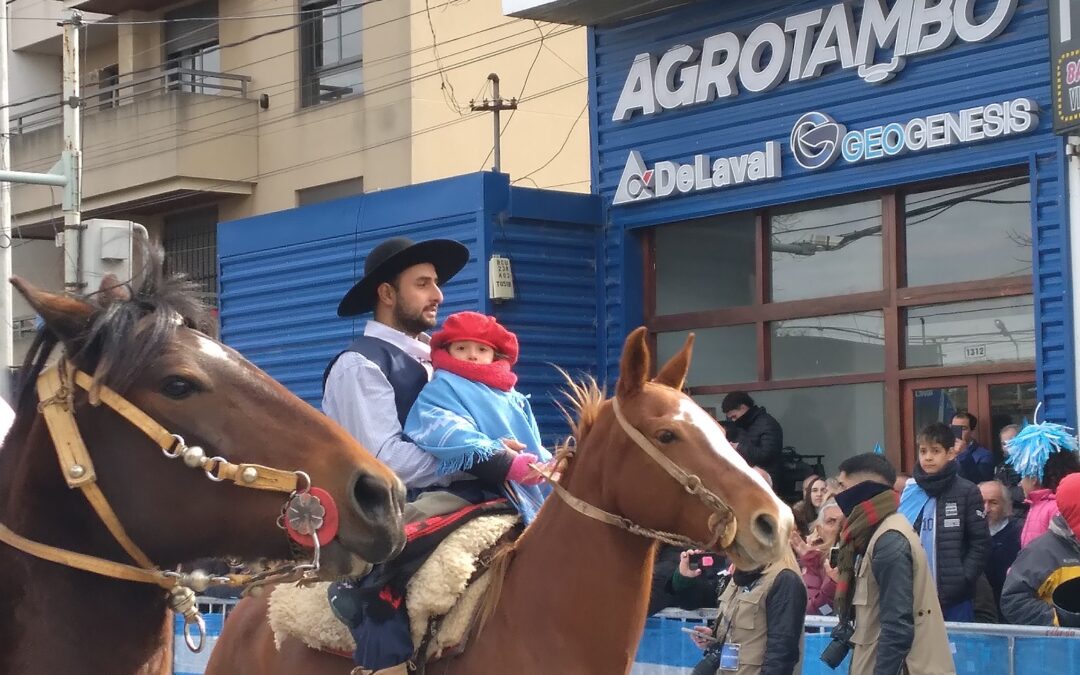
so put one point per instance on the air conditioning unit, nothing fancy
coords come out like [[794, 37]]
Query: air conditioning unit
[[108, 247]]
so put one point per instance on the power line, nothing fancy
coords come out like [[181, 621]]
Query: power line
[[562, 147], [295, 114], [123, 208], [521, 93], [168, 131]]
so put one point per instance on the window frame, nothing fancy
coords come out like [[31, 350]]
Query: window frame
[[312, 13], [893, 300]]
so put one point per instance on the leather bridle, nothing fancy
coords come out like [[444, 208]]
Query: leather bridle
[[56, 392], [722, 522]]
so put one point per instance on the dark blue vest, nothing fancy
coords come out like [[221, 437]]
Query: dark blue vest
[[405, 375]]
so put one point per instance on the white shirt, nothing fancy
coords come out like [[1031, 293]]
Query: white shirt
[[359, 398]]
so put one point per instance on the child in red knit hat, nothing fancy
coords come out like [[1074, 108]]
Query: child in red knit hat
[[472, 418]]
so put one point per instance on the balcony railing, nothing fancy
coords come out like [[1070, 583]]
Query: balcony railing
[[105, 96]]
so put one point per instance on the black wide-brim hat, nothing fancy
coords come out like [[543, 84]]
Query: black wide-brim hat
[[392, 257]]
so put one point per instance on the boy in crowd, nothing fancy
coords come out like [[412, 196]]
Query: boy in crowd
[[947, 512]]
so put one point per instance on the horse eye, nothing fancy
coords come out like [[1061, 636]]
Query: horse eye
[[178, 388], [666, 436]]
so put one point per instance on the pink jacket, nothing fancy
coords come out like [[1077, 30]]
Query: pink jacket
[[1043, 508], [820, 589]]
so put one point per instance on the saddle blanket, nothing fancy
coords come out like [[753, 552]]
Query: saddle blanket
[[440, 588]]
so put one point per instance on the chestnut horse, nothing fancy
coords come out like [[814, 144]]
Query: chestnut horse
[[575, 593], [143, 344]]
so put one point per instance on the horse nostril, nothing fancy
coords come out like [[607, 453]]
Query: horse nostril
[[765, 528], [375, 498]]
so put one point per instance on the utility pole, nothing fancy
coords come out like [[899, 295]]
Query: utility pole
[[496, 105], [66, 174], [7, 353], [71, 158]]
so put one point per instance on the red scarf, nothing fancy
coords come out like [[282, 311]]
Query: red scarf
[[496, 374]]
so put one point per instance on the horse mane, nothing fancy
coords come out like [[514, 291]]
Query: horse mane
[[131, 324], [583, 401]]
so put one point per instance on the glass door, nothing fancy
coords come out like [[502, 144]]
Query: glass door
[[995, 400], [933, 400]]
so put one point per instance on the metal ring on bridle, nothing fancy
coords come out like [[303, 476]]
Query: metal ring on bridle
[[211, 465], [307, 483], [177, 448], [200, 625]]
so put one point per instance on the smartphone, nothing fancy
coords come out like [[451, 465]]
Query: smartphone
[[834, 556], [957, 430], [701, 560], [706, 637]]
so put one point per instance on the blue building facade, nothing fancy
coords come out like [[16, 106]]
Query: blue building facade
[[859, 207]]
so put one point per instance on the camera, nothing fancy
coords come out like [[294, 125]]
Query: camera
[[710, 663], [834, 654]]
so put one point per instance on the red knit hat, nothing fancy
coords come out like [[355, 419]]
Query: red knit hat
[[1068, 501], [478, 328]]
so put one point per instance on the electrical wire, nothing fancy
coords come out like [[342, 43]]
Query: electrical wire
[[167, 132], [262, 125], [558, 152], [521, 93], [124, 208]]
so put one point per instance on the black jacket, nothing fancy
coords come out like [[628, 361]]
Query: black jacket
[[661, 594], [761, 440], [963, 537], [1004, 548], [1041, 567], [894, 570]]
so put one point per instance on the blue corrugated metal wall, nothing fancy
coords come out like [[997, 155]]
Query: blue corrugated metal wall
[[556, 311], [282, 275], [1012, 65]]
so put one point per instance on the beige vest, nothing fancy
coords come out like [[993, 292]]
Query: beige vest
[[745, 610], [930, 653]]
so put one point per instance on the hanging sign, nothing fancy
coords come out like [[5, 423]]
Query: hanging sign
[[1065, 64]]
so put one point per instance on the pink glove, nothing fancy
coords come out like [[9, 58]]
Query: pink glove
[[520, 470]]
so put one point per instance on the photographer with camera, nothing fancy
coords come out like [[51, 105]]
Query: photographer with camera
[[759, 627], [885, 595]]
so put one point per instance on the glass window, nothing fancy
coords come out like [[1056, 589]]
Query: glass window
[[828, 345], [809, 419], [721, 355], [980, 231], [705, 264], [821, 252], [331, 50], [964, 333]]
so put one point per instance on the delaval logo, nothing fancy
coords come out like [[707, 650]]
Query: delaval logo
[[640, 183], [815, 140]]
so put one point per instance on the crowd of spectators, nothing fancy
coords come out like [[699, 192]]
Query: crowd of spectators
[[965, 538]]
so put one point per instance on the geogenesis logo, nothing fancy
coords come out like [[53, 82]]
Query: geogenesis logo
[[815, 140]]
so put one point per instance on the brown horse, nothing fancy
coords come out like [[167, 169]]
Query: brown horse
[[144, 344], [575, 595]]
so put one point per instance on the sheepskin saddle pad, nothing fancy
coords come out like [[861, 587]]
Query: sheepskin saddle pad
[[440, 588]]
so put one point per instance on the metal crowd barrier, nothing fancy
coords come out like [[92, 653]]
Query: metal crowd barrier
[[978, 648]]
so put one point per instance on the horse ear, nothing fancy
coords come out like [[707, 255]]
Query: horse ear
[[112, 290], [66, 316], [673, 374], [635, 364]]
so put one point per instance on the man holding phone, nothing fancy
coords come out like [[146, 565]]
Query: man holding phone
[[976, 463], [759, 626]]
